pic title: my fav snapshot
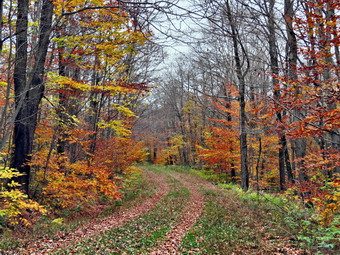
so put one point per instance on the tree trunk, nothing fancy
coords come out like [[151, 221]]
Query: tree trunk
[[291, 178], [292, 57], [28, 93], [240, 76], [1, 23], [274, 63], [62, 115], [325, 33], [22, 143], [229, 119]]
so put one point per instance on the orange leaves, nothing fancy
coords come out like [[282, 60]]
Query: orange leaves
[[314, 91], [65, 6], [319, 122], [118, 154], [221, 150], [83, 182], [77, 178], [331, 119], [80, 184], [322, 189], [79, 136]]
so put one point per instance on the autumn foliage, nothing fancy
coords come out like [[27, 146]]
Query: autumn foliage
[[15, 207], [83, 144], [82, 149], [292, 131]]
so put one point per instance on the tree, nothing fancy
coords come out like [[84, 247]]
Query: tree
[[29, 86], [227, 23], [284, 161], [29, 69]]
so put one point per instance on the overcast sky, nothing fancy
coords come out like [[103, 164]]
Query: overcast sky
[[175, 32]]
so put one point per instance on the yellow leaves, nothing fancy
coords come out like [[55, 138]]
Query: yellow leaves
[[113, 89], [207, 134], [331, 23], [8, 173], [175, 144], [177, 141], [63, 6], [124, 110], [63, 82], [97, 2], [14, 202], [104, 39], [33, 24], [110, 49], [67, 85], [58, 221], [3, 84], [117, 125]]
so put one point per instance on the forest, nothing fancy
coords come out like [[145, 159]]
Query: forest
[[169, 127]]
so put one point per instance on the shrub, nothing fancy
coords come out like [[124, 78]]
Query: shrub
[[15, 207]]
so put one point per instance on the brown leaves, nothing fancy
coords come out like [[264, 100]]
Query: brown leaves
[[190, 214], [96, 226]]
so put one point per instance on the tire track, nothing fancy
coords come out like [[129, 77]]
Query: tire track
[[191, 212]]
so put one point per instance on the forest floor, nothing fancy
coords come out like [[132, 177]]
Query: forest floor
[[177, 213]]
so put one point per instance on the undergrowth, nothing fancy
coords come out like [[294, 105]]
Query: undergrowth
[[286, 216], [134, 188], [296, 219]]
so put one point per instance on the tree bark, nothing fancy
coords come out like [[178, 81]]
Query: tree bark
[[292, 58], [242, 84], [21, 137], [28, 93], [274, 64], [1, 23]]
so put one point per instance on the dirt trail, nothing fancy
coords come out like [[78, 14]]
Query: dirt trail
[[191, 212], [189, 215], [94, 227]]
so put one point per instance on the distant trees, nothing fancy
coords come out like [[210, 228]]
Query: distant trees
[[282, 56]]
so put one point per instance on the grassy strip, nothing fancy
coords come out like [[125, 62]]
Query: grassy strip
[[135, 189], [220, 230], [206, 174], [282, 217], [140, 235]]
